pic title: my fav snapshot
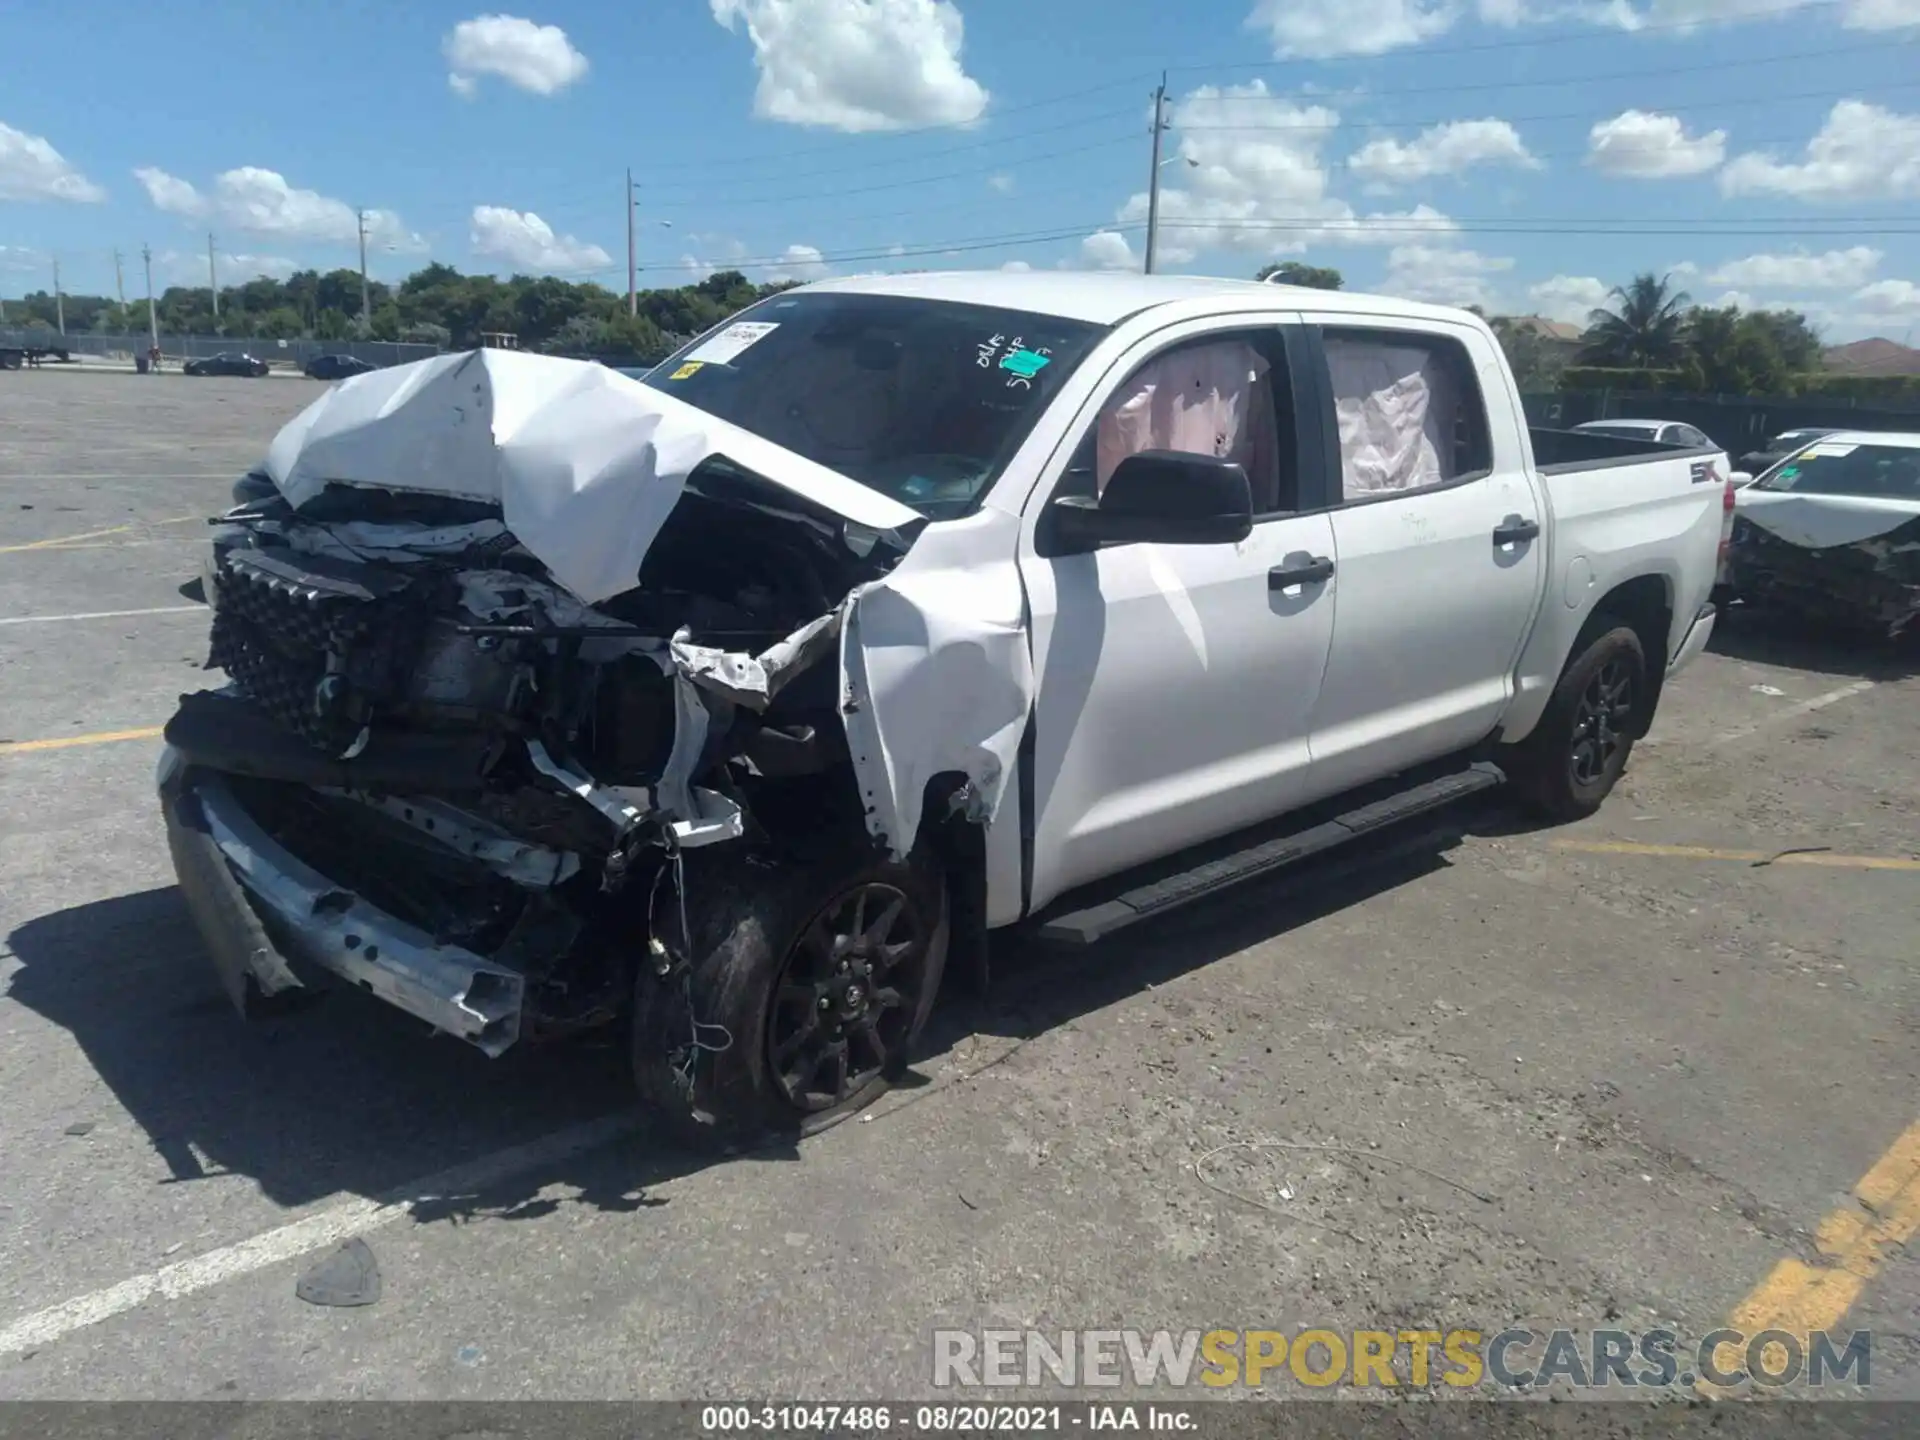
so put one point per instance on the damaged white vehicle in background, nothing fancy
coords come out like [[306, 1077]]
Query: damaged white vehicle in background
[[733, 701]]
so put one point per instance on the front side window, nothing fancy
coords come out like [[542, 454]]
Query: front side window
[[923, 400], [1874, 472], [1409, 412]]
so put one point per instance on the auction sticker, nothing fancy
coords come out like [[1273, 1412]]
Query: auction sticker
[[733, 341], [1824, 450]]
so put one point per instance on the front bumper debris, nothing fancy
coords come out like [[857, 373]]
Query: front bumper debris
[[1872, 583], [265, 915]]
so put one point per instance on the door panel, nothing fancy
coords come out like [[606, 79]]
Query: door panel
[[1431, 607], [1175, 693], [1175, 682], [1429, 618]]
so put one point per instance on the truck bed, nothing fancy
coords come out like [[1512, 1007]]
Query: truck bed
[[1562, 452]]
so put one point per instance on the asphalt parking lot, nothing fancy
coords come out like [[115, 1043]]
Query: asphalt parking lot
[[1647, 1070]]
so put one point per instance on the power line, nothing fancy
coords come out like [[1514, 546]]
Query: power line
[[1107, 87]]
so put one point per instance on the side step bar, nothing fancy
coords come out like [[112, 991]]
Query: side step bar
[[1156, 897]]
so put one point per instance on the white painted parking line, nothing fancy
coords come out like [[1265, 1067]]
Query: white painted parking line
[[1791, 712], [311, 1232], [98, 615]]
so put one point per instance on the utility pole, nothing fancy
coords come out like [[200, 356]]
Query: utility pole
[[153, 320], [633, 291], [119, 281], [59, 304], [366, 295], [1153, 181], [213, 282]]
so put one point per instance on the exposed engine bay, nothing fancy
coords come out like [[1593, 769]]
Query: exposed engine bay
[[506, 638], [418, 713]]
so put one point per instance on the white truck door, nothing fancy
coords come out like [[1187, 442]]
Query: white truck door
[[1175, 683], [1438, 539]]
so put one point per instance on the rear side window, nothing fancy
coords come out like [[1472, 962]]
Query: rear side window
[[1409, 410]]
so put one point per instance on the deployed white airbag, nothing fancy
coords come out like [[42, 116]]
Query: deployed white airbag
[[1395, 405], [584, 462]]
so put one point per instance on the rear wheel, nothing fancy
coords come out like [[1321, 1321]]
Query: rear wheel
[[809, 985], [1575, 755]]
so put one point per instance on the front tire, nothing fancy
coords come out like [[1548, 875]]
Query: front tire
[[810, 983], [1567, 767]]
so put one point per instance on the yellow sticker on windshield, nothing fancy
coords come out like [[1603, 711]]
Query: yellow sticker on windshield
[[687, 371]]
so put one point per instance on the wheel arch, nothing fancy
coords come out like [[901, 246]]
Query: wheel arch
[[1644, 603]]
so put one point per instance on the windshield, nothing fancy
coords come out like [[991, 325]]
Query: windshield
[[922, 400], [1877, 472]]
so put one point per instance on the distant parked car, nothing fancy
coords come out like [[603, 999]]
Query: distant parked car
[[337, 367], [1781, 446], [1661, 432], [229, 362]]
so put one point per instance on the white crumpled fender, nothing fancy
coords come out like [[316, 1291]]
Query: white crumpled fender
[[1820, 522], [584, 462], [937, 675]]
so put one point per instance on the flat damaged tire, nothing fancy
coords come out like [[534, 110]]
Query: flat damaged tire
[[809, 985], [1571, 761]]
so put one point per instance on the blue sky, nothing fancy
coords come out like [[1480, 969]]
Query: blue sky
[[1521, 154]]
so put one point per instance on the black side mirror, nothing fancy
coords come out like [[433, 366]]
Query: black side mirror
[[1166, 497]]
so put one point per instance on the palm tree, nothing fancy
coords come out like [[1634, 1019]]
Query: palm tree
[[1646, 328]]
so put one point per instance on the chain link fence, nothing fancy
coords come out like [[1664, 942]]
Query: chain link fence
[[176, 349]]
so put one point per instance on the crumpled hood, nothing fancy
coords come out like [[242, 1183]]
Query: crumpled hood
[[584, 462], [1820, 522]]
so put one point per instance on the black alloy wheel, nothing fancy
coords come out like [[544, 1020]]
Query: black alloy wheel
[[1602, 722], [844, 1006]]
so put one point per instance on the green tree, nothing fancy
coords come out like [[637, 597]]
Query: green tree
[[1293, 272], [1646, 326], [1797, 342], [1535, 360]]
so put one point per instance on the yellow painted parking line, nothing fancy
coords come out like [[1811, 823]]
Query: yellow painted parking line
[[1853, 1243], [1750, 857], [65, 742], [58, 541]]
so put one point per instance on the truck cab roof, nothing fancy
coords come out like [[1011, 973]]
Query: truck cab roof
[[1107, 298]]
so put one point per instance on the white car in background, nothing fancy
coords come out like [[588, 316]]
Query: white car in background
[[1833, 532]]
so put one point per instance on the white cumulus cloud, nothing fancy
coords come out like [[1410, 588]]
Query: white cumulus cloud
[[1444, 275], [31, 169], [1834, 270], [170, 193], [1683, 15], [1442, 150], [857, 65], [539, 59], [1107, 250], [1255, 181], [1889, 299], [523, 239], [797, 262], [1862, 152], [1016, 267], [1319, 29], [261, 202], [1642, 145], [1568, 297]]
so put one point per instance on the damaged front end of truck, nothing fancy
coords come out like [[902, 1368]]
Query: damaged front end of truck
[[513, 648]]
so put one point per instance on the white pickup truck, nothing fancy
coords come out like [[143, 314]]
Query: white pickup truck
[[733, 701]]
